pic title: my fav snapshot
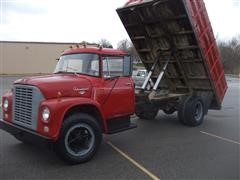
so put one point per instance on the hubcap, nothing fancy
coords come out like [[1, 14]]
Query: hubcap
[[198, 111], [79, 140]]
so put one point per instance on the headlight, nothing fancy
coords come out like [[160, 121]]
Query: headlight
[[46, 114], [5, 104]]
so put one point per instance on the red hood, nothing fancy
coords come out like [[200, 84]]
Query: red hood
[[60, 85]]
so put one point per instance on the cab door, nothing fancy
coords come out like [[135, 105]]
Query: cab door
[[118, 87]]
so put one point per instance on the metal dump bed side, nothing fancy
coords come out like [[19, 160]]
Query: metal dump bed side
[[177, 33], [203, 30]]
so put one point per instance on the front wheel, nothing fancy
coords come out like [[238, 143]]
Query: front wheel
[[79, 139]]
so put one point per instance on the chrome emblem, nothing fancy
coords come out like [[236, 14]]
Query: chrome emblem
[[80, 90]]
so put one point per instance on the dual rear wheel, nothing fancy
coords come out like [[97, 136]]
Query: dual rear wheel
[[191, 111], [146, 111]]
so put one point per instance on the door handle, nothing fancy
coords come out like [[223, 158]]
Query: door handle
[[128, 84]]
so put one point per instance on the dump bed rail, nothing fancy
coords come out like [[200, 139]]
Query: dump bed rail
[[177, 33]]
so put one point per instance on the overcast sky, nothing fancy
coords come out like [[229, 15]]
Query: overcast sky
[[90, 20]]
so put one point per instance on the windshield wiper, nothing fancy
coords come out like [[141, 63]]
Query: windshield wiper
[[61, 72], [72, 68], [75, 73], [66, 70]]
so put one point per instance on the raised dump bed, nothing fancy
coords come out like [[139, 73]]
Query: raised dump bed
[[176, 44]]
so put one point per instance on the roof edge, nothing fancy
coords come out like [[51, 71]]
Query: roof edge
[[39, 42]]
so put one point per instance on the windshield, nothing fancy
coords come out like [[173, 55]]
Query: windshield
[[79, 63]]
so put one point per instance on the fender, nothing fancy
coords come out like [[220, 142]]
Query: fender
[[58, 108]]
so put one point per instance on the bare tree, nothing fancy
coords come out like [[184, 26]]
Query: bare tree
[[128, 47], [105, 43], [230, 52], [124, 45]]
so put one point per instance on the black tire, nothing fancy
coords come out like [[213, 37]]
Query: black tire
[[182, 108], [192, 112], [146, 110], [150, 115], [169, 110], [79, 138]]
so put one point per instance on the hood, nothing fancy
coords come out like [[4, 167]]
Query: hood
[[60, 85]]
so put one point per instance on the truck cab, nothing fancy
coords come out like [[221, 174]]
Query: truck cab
[[90, 92]]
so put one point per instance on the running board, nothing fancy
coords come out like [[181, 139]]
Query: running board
[[131, 126]]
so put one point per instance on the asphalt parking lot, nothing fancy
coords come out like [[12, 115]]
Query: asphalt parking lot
[[161, 148]]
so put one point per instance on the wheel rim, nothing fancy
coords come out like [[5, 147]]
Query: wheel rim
[[198, 111], [167, 109], [79, 140]]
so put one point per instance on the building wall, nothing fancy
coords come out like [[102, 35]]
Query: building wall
[[29, 57]]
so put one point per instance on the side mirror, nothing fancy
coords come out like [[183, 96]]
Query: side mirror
[[57, 59], [127, 66]]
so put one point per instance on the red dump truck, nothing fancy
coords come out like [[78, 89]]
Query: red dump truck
[[91, 90]]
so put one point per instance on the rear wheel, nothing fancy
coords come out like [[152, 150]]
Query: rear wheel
[[169, 110], [147, 115], [182, 109], [79, 139], [191, 111], [146, 111]]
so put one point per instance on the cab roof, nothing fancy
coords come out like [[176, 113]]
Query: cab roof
[[96, 50], [134, 2]]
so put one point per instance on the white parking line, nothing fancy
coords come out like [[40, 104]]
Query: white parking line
[[222, 138], [139, 166]]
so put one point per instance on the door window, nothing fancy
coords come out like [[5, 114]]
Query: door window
[[117, 66], [112, 67]]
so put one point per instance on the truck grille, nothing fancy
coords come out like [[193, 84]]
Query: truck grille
[[25, 105]]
